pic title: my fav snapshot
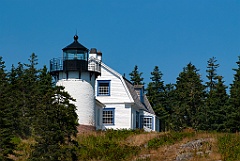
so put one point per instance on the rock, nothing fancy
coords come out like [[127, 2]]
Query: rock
[[184, 156], [192, 148]]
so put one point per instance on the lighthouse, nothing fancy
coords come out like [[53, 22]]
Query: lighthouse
[[77, 71]]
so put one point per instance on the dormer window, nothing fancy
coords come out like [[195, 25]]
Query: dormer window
[[103, 88]]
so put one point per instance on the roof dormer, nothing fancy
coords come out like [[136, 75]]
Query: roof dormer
[[140, 92]]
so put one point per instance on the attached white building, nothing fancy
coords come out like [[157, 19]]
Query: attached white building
[[126, 105], [104, 98]]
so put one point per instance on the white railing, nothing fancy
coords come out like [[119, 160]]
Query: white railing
[[94, 66]]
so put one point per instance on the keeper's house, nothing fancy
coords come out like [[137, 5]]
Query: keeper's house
[[104, 98], [126, 105]]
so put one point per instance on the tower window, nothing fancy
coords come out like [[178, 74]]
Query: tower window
[[108, 116], [103, 88]]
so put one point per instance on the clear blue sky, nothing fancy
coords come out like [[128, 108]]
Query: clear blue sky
[[147, 33]]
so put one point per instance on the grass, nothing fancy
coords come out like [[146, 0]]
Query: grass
[[229, 146], [142, 146], [168, 139], [107, 145]]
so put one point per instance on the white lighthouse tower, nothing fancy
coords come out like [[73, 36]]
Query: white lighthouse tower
[[77, 73]]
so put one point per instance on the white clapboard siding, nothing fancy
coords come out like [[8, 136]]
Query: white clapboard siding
[[98, 115], [119, 99], [122, 119], [118, 90]]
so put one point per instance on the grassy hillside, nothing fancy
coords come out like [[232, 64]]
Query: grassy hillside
[[141, 146]]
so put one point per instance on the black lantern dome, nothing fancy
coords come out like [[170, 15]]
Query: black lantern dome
[[75, 45], [75, 56]]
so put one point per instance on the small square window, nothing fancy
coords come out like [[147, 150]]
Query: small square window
[[108, 116], [103, 88], [147, 122]]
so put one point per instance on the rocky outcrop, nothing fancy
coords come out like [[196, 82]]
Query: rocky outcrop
[[199, 147]]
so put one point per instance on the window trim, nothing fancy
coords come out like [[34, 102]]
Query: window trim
[[109, 87], [113, 118]]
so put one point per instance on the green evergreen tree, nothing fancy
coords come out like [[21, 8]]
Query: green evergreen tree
[[170, 103], [212, 73], [189, 98], [26, 95], [233, 113], [6, 118], [56, 123], [18, 100], [155, 88], [213, 114], [156, 95], [30, 106], [135, 76], [221, 104]]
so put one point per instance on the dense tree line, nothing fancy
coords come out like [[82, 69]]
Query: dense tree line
[[32, 107], [192, 103]]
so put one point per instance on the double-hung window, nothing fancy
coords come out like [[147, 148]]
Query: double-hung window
[[103, 88], [147, 122], [108, 116]]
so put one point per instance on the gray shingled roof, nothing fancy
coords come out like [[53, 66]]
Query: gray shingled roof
[[147, 103], [144, 106]]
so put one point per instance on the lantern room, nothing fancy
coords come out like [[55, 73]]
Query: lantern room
[[75, 62], [75, 57]]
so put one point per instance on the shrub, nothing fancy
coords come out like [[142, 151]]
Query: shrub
[[229, 147]]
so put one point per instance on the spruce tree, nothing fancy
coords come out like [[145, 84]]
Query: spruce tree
[[156, 95], [233, 113], [27, 95], [15, 98], [18, 99], [56, 122], [189, 98], [213, 115], [136, 76], [170, 103], [6, 117], [221, 104], [155, 89], [212, 73]]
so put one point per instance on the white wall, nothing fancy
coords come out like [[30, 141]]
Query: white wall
[[125, 113], [122, 116], [75, 75], [83, 92], [98, 117], [118, 93]]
